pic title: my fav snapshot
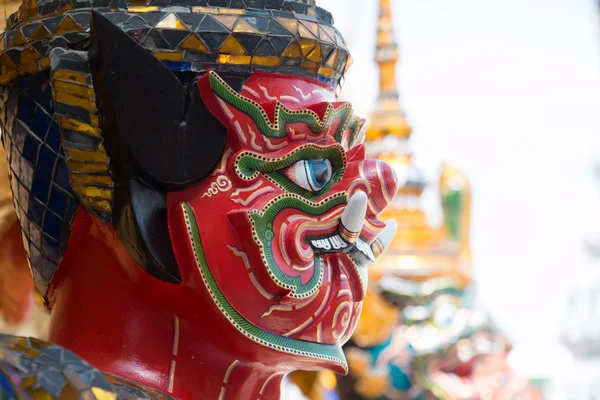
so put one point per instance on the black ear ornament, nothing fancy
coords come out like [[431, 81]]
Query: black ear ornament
[[159, 135], [154, 123]]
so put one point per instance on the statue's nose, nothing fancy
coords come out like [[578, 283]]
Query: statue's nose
[[383, 182]]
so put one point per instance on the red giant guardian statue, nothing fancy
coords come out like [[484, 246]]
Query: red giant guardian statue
[[195, 205]]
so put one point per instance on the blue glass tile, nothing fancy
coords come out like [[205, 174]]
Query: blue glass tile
[[35, 256], [178, 65], [62, 175], [14, 160], [43, 174], [18, 136], [50, 247], [6, 387], [26, 177], [36, 211], [53, 226], [53, 138], [44, 100], [41, 122], [23, 197], [30, 149], [41, 284], [35, 235], [59, 201], [26, 109]]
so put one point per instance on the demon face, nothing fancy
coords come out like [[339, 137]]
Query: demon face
[[286, 225]]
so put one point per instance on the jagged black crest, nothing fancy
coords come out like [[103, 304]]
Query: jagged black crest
[[151, 121]]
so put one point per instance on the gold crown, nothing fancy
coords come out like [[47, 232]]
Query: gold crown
[[284, 36]]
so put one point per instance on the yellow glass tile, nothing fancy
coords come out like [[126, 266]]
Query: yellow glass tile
[[32, 4], [39, 344], [101, 394], [28, 68], [104, 205], [142, 9], [327, 72], [29, 55], [19, 341], [28, 381], [104, 180], [329, 31], [235, 60], [310, 66], [315, 55], [92, 191], [349, 63], [266, 60], [69, 76], [23, 12], [73, 88], [194, 43], [45, 62], [5, 61], [40, 33], [324, 37], [17, 40], [290, 24], [86, 155], [305, 33], [205, 10], [71, 100], [40, 394], [8, 76], [307, 45], [68, 392], [66, 7], [313, 27], [136, 3], [94, 120], [169, 55], [226, 20], [332, 60], [231, 46], [81, 166], [67, 25], [244, 26], [171, 22], [293, 51]]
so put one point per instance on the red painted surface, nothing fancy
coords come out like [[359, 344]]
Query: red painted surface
[[122, 320]]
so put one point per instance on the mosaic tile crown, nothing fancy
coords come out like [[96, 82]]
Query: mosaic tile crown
[[294, 37]]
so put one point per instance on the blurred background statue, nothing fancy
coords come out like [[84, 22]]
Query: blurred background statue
[[419, 336]]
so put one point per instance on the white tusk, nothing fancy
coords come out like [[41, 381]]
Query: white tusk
[[385, 237], [353, 217]]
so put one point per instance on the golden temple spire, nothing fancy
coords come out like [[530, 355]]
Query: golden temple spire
[[388, 117]]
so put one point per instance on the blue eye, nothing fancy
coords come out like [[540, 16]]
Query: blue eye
[[310, 175]]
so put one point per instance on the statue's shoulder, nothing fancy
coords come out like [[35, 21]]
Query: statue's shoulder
[[31, 368]]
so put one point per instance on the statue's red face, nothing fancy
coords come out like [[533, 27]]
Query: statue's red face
[[284, 229]]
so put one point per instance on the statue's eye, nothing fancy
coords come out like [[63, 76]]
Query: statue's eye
[[310, 175]]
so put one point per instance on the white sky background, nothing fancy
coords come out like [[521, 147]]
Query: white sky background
[[508, 91]]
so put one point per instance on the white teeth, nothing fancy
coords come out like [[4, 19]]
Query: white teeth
[[354, 214], [337, 242], [386, 236], [334, 242]]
